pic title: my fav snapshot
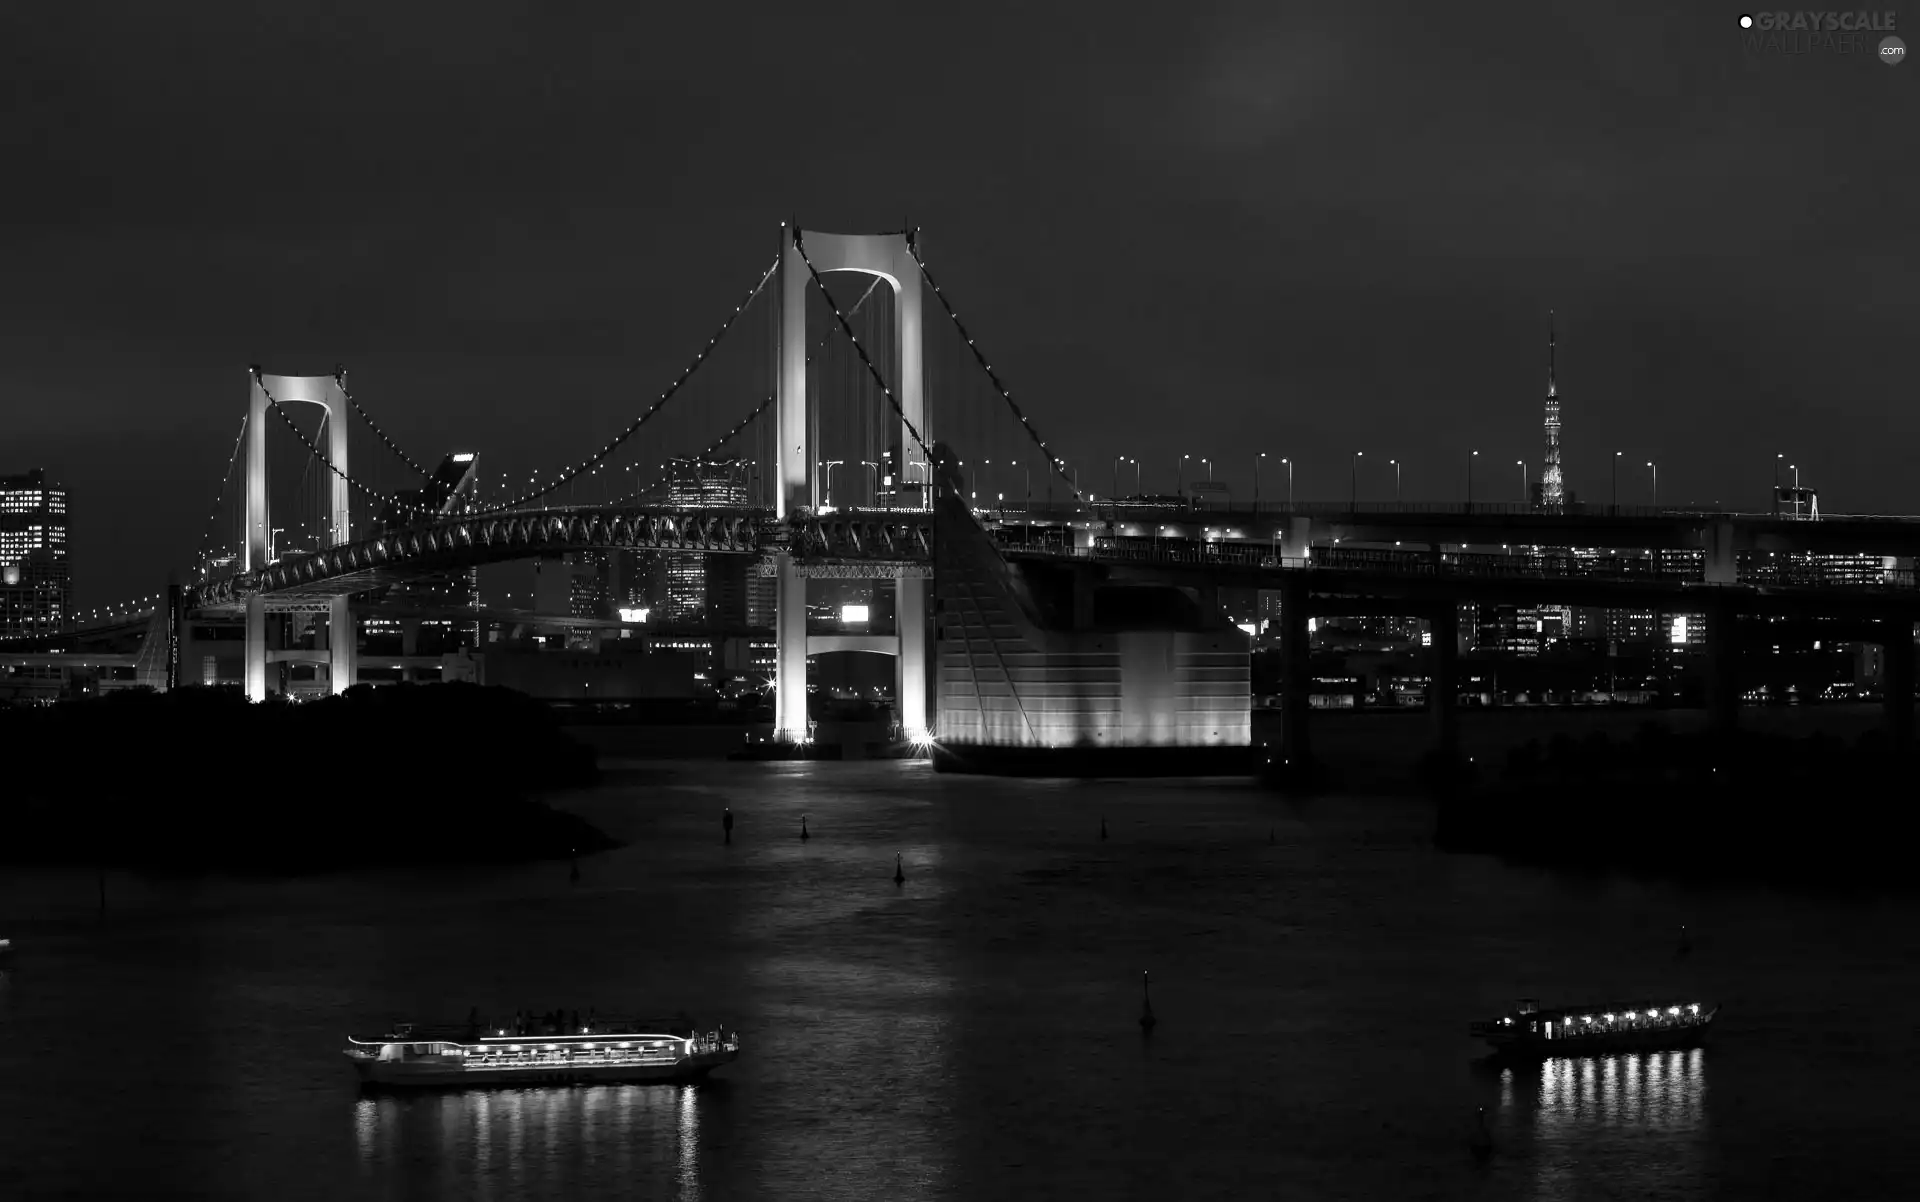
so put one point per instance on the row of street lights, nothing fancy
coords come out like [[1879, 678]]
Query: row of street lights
[[1180, 474], [1353, 485], [1653, 493], [1353, 477]]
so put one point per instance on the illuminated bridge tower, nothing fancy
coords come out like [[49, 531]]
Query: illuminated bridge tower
[[326, 392], [1553, 494], [889, 256]]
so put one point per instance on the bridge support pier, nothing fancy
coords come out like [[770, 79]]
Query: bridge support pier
[[790, 652], [1896, 650], [341, 637], [1722, 567], [1723, 666], [256, 653], [1296, 675], [1443, 676], [910, 672]]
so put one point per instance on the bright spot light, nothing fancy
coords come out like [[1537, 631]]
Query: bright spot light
[[850, 614]]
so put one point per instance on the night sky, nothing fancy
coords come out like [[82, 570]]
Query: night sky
[[1302, 229]]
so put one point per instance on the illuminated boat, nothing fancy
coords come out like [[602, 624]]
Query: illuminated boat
[[409, 1057], [1527, 1030]]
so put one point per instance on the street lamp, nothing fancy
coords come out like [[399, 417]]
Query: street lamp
[[1209, 464], [1289, 464], [1026, 474], [1256, 480], [1117, 461], [1616, 481], [1522, 465], [830, 465], [1471, 456], [1353, 482], [1653, 493], [1776, 484], [873, 481], [1396, 481], [1180, 475]]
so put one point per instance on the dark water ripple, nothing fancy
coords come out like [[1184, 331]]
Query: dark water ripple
[[971, 1034]]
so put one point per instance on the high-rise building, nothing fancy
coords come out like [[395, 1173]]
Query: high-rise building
[[36, 573], [698, 588]]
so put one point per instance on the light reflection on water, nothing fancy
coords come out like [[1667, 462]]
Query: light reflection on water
[[1650, 1106], [689, 1143], [477, 1140]]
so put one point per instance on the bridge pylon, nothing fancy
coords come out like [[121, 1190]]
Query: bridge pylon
[[263, 392], [890, 257]]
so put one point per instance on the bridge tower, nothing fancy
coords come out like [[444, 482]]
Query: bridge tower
[[889, 256], [326, 392]]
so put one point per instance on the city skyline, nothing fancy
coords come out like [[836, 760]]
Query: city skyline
[[1713, 308]]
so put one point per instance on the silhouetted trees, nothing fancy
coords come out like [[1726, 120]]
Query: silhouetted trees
[[200, 779]]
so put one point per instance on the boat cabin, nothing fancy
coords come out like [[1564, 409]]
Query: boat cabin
[[1529, 1020]]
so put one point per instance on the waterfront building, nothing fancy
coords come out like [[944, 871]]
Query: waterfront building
[[36, 568]]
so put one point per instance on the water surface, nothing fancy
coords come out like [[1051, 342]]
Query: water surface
[[972, 1034]]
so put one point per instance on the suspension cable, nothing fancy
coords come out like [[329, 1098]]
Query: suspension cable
[[599, 456], [1054, 461], [340, 381], [710, 449], [315, 452], [744, 422], [221, 496]]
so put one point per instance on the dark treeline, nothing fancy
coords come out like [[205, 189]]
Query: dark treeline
[[1713, 805], [200, 780]]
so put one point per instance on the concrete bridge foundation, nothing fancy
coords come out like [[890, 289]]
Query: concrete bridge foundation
[[1443, 687], [1296, 675], [1897, 683]]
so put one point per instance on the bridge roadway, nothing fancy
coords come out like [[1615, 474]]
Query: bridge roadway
[[881, 542], [1293, 527], [890, 542], [1340, 582]]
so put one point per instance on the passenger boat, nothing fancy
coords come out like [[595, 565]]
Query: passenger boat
[[1644, 1026], [410, 1056]]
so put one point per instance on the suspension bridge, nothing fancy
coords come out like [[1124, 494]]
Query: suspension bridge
[[823, 389], [826, 400]]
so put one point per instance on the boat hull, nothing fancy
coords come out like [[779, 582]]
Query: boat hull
[[377, 1074], [1533, 1047]]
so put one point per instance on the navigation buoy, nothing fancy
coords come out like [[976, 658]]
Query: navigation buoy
[[1147, 1020], [1686, 945], [573, 877], [726, 823], [803, 827], [899, 871], [1482, 1142], [1103, 828]]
